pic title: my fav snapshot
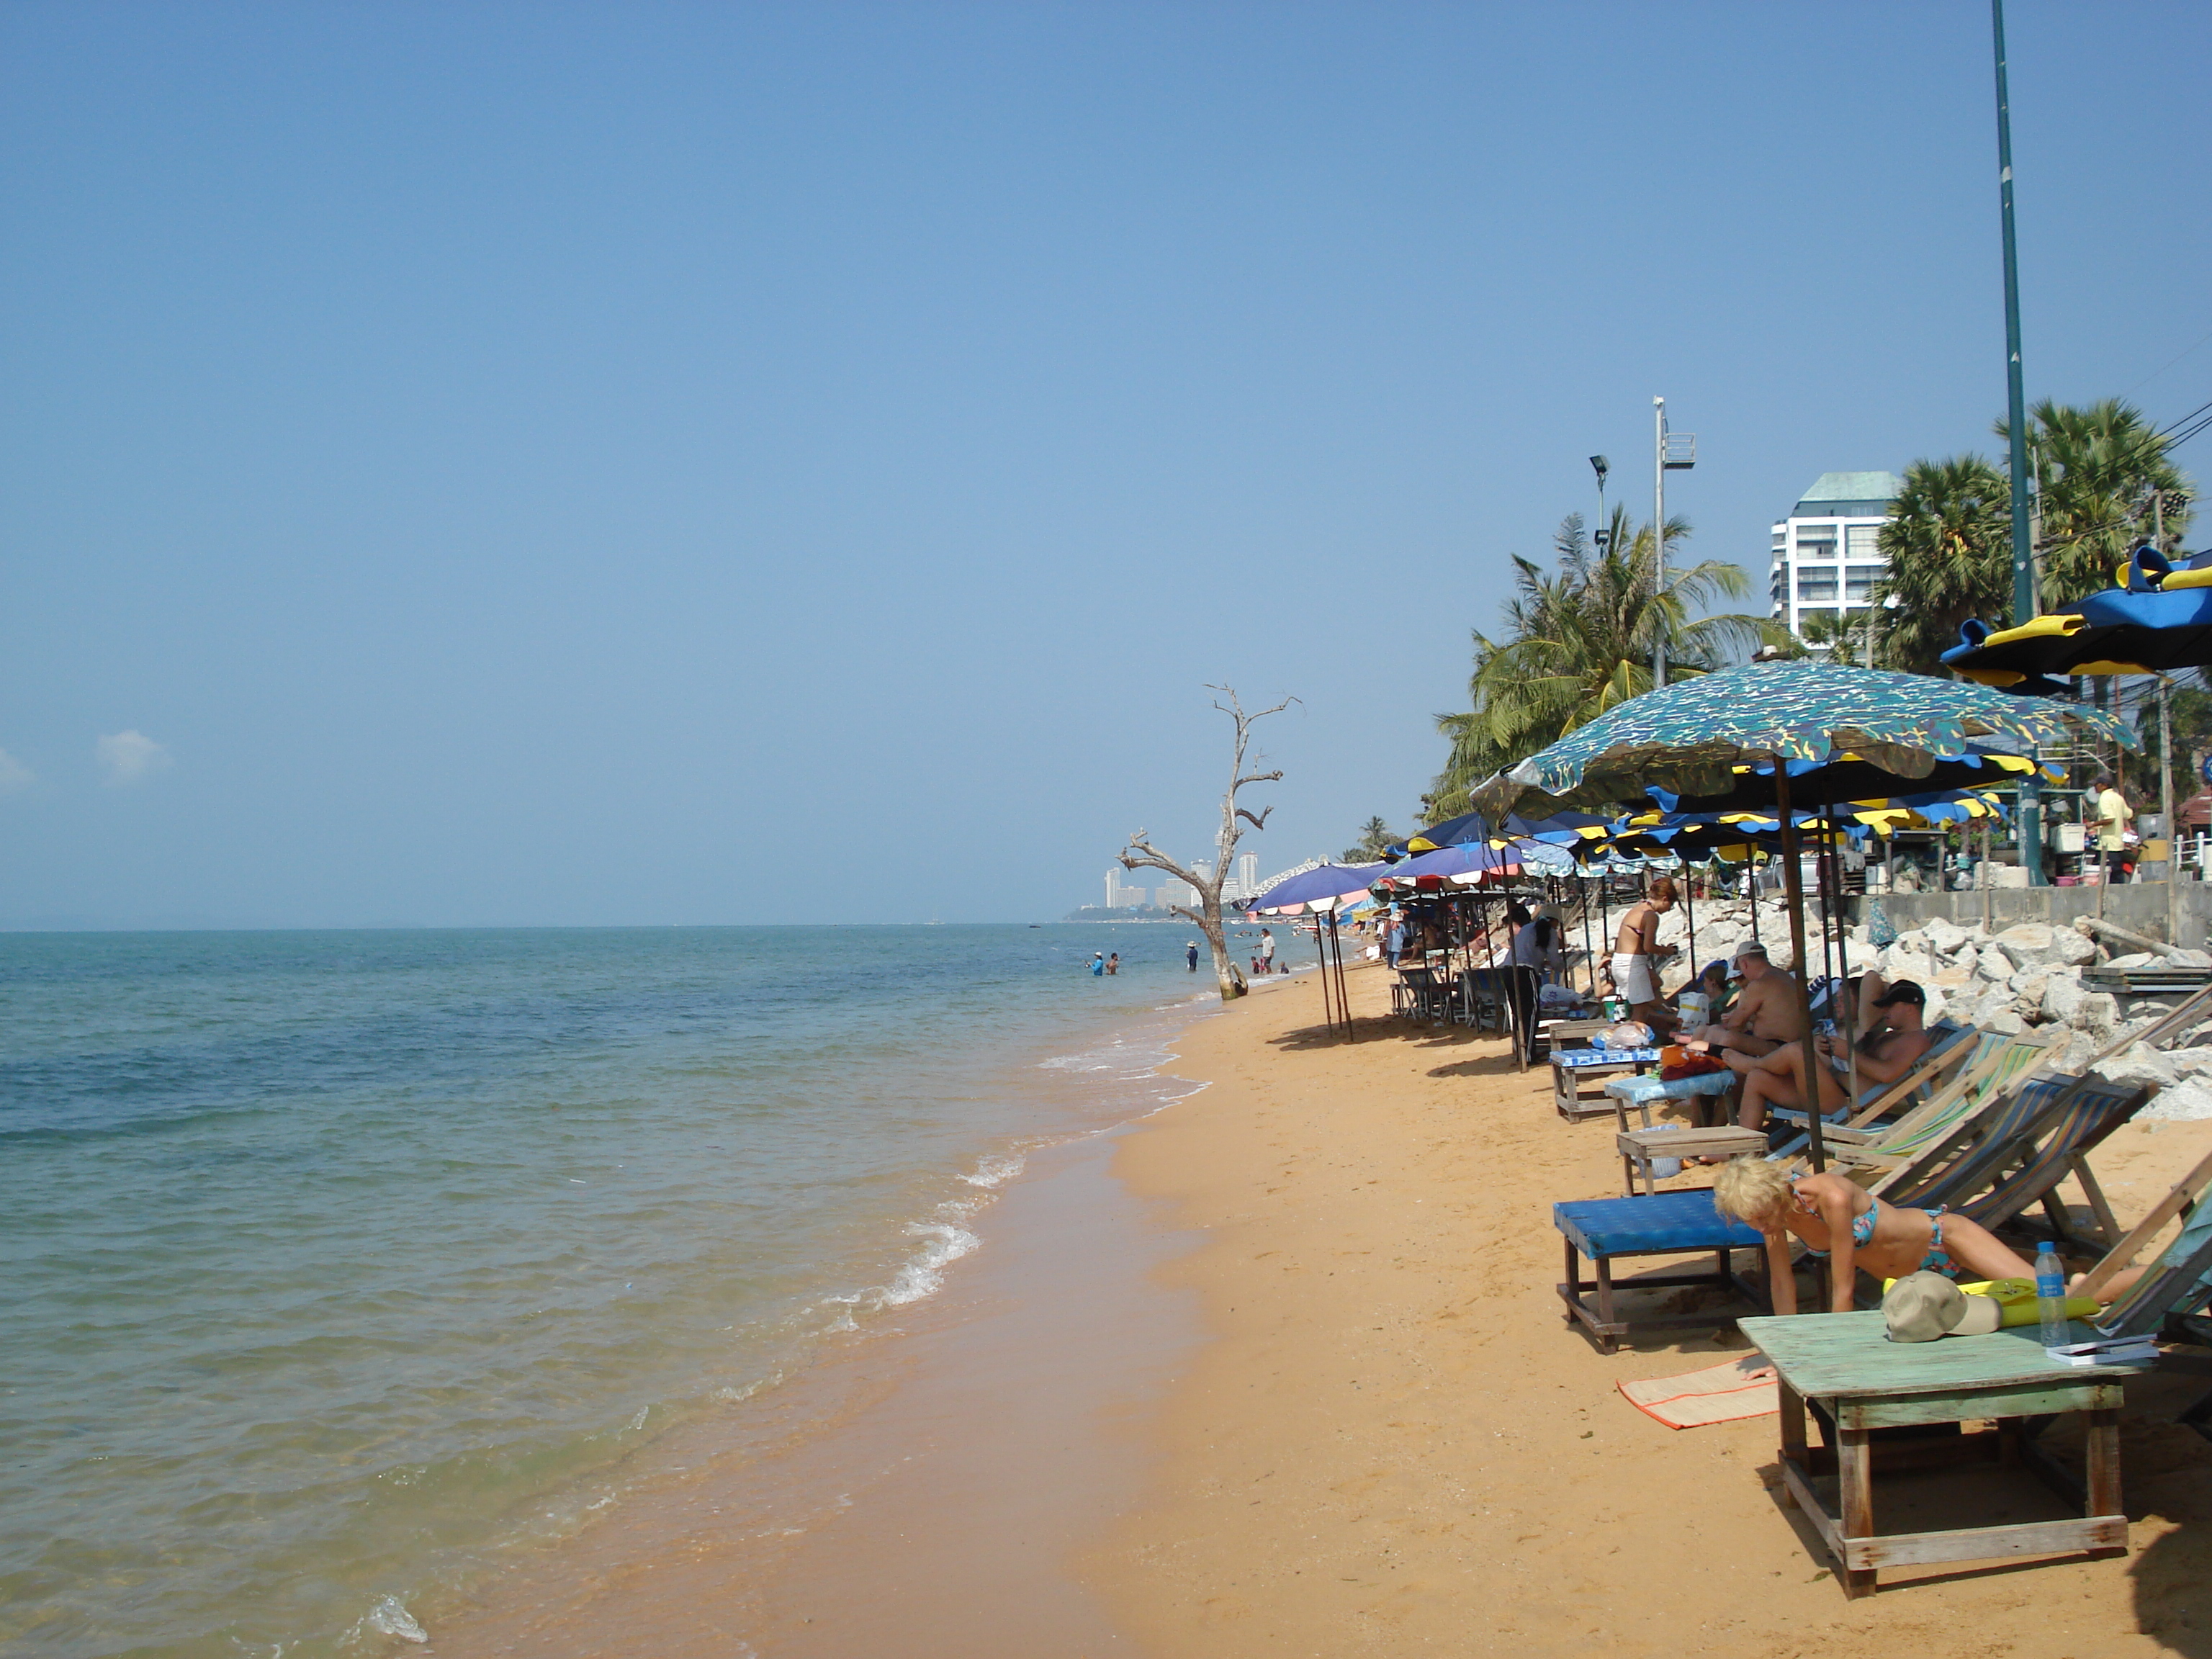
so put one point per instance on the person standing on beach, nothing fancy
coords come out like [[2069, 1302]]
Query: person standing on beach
[[1394, 939], [1637, 954], [2114, 815], [1190, 955], [1266, 951]]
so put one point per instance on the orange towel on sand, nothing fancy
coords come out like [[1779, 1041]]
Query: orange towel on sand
[[1718, 1394]]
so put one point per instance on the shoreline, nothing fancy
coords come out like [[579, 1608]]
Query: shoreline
[[920, 1486], [1392, 1443]]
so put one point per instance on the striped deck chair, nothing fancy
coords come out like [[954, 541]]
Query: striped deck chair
[[2046, 1126], [1954, 1045], [1954, 1116], [2090, 1110], [2182, 1195], [1974, 1150]]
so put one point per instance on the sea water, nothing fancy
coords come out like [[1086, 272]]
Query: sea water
[[334, 1264]]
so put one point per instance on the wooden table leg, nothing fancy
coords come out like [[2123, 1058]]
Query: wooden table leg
[[1793, 1421], [2102, 1439], [1855, 1483]]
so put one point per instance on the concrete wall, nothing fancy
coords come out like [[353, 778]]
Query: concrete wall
[[2140, 906]]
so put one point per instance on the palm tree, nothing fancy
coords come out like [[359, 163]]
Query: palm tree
[[1840, 638], [2106, 481], [1578, 640], [1375, 837], [2099, 466], [1949, 548]]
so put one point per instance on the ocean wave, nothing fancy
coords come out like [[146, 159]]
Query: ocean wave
[[995, 1171], [924, 1275]]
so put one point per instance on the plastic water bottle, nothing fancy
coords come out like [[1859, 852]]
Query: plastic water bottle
[[2051, 1296]]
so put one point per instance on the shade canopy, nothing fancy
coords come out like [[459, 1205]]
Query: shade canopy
[[2161, 621], [1317, 889], [1470, 863], [1849, 777], [1689, 737], [1559, 830]]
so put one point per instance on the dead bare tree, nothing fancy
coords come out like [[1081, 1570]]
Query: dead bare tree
[[1141, 854]]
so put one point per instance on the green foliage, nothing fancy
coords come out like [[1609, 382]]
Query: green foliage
[[2190, 713], [1578, 640], [2104, 474], [1375, 838], [1950, 560]]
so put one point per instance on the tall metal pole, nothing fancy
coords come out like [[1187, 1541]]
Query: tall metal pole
[[1658, 539], [2023, 541]]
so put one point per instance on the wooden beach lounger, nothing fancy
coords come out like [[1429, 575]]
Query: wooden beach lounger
[[1608, 1229]]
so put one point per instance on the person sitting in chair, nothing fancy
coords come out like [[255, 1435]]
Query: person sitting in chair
[[1891, 1045], [1765, 1017]]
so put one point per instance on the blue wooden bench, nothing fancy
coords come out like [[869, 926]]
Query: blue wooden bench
[[1683, 1223]]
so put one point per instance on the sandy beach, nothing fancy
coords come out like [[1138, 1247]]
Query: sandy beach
[[1393, 1443]]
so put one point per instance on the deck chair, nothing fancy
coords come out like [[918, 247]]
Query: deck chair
[[1954, 1045], [1978, 1143], [2048, 1125], [2182, 1195], [2178, 1285], [2090, 1110], [1954, 1116]]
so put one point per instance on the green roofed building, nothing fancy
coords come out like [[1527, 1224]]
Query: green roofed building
[[1825, 559]]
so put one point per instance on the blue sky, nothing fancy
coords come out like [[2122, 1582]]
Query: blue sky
[[563, 464]]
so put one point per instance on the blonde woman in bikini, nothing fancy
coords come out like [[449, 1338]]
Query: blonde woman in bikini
[[1837, 1219]]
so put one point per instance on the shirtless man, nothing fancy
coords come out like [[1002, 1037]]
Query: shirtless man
[[1765, 1015], [1892, 1046], [1637, 954]]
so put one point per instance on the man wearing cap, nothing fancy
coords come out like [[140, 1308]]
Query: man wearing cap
[[1765, 1015], [1891, 1047]]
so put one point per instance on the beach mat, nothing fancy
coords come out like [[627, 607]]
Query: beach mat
[[1718, 1394]]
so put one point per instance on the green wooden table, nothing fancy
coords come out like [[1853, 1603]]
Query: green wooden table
[[1865, 1382]]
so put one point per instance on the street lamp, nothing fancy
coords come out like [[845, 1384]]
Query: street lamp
[[1602, 535]]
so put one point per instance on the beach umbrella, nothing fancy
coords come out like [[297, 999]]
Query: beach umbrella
[[1849, 777], [1688, 738], [1470, 863], [1558, 830], [2159, 620], [1317, 889]]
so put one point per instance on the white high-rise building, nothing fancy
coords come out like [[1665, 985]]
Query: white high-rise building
[[1247, 874], [1824, 559], [1119, 894]]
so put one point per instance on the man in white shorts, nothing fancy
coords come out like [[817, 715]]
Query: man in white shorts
[[1637, 954]]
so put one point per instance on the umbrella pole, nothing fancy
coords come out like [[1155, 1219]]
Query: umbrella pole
[[1793, 888], [1989, 882], [1690, 913], [1846, 999], [1604, 921], [1589, 956], [1336, 953], [1321, 951]]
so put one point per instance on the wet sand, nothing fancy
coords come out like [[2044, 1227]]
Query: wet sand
[[1393, 1443], [920, 1491]]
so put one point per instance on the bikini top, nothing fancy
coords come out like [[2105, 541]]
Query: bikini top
[[1862, 1223]]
